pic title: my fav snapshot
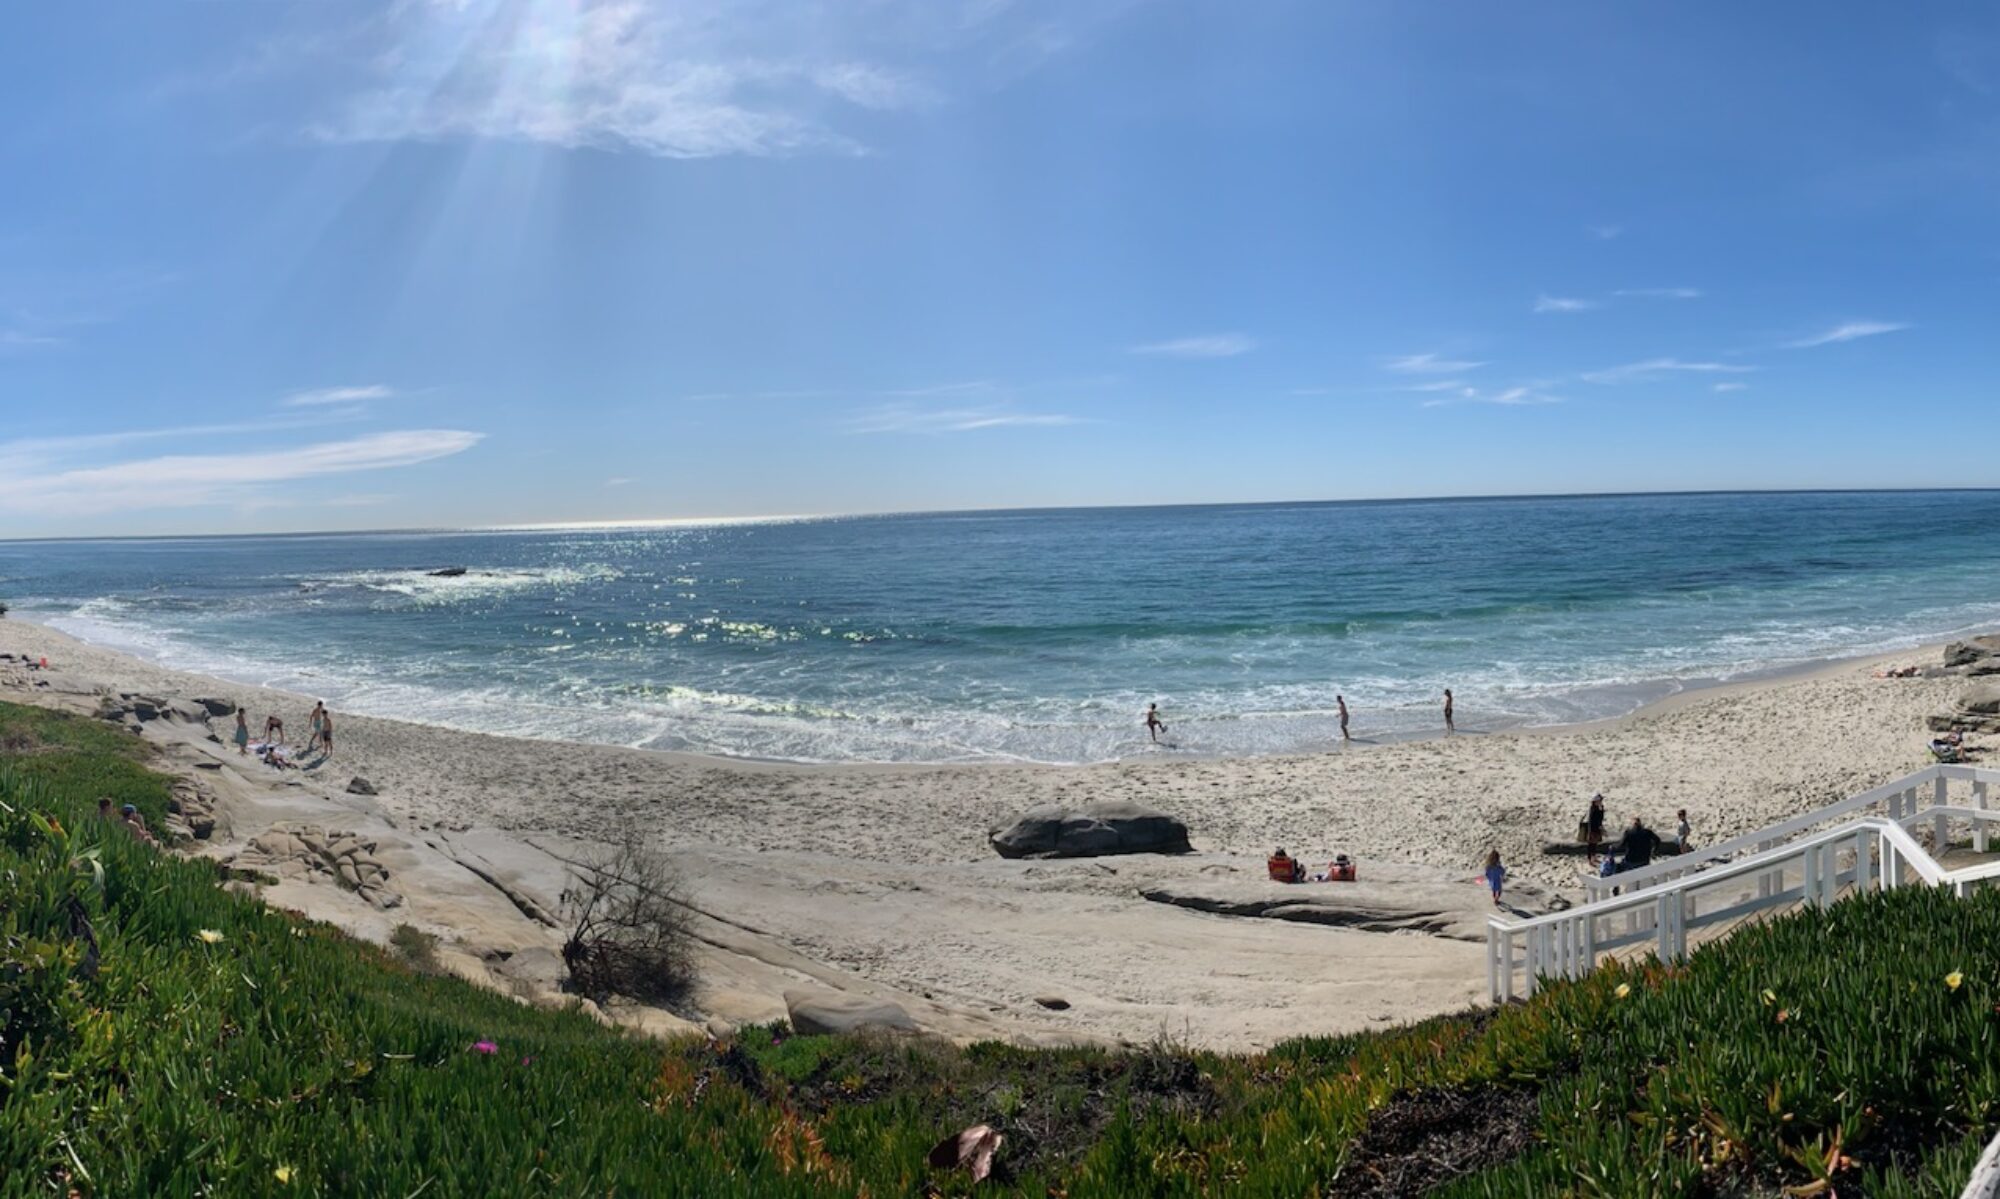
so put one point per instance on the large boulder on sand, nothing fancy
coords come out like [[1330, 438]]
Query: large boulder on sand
[[1093, 830], [821, 1012], [1977, 711], [1974, 655]]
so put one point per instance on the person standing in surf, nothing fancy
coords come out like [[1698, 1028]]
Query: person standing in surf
[[1342, 701], [1154, 725], [1449, 726]]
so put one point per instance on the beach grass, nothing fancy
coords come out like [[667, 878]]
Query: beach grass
[[162, 1036]]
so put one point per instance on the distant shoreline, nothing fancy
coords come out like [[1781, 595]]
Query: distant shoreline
[[661, 522], [1682, 694]]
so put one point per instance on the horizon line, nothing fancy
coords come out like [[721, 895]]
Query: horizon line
[[802, 518]]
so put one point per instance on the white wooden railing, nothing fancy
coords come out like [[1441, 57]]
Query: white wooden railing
[[1794, 862], [1897, 799]]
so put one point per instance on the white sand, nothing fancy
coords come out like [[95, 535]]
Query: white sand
[[878, 879]]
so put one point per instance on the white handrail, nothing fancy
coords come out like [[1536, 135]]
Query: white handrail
[[1762, 838], [1765, 838]]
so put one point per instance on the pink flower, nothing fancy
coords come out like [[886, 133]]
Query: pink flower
[[526, 1060], [485, 1047]]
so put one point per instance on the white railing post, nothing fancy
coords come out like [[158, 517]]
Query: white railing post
[[1663, 918], [1940, 827], [1979, 826], [1589, 942], [1864, 863]]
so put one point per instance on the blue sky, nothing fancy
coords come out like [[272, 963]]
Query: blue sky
[[465, 262]]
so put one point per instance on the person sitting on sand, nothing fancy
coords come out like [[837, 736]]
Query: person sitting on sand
[[1284, 868], [242, 733], [137, 824], [1154, 725], [1638, 845], [1496, 875]]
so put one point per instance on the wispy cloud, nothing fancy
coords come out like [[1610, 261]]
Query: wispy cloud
[[1660, 293], [1603, 232], [619, 481], [1430, 364], [906, 418], [1548, 303], [1436, 385], [1731, 386], [1851, 331], [1213, 345], [338, 395], [194, 480], [681, 80], [1522, 396], [1654, 368], [14, 341]]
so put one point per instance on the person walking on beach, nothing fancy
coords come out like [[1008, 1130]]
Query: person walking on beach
[[1496, 875], [1154, 725], [242, 734], [1681, 830], [1449, 727], [318, 720], [1342, 701], [325, 735]]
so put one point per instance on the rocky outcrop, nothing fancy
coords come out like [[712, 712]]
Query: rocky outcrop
[[313, 854], [1389, 897], [1975, 655], [1977, 711], [360, 786], [447, 572], [133, 709], [814, 1013], [1094, 830], [190, 811]]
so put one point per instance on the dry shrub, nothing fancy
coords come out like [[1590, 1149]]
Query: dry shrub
[[628, 926]]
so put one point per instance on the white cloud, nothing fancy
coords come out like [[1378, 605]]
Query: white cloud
[[619, 481], [1547, 303], [1522, 396], [1660, 293], [1430, 364], [338, 395], [194, 480], [1731, 386], [1850, 331], [903, 418], [686, 79], [13, 340], [1436, 385], [1214, 345], [1653, 368]]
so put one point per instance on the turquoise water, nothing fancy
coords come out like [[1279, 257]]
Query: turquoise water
[[1042, 635]]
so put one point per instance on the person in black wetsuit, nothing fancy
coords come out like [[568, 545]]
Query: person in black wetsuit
[[1639, 844]]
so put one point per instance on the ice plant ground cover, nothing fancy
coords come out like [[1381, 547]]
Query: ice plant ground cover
[[159, 1035]]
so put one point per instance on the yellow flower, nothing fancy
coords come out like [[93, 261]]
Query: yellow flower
[[1770, 997], [1953, 980], [208, 936], [283, 1174], [1623, 990]]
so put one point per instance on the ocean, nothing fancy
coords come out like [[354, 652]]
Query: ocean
[[1042, 635]]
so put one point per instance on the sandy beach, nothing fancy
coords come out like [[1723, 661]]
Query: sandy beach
[[879, 881]]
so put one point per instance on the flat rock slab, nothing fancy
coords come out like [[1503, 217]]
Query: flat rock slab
[[1387, 898], [822, 1012]]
